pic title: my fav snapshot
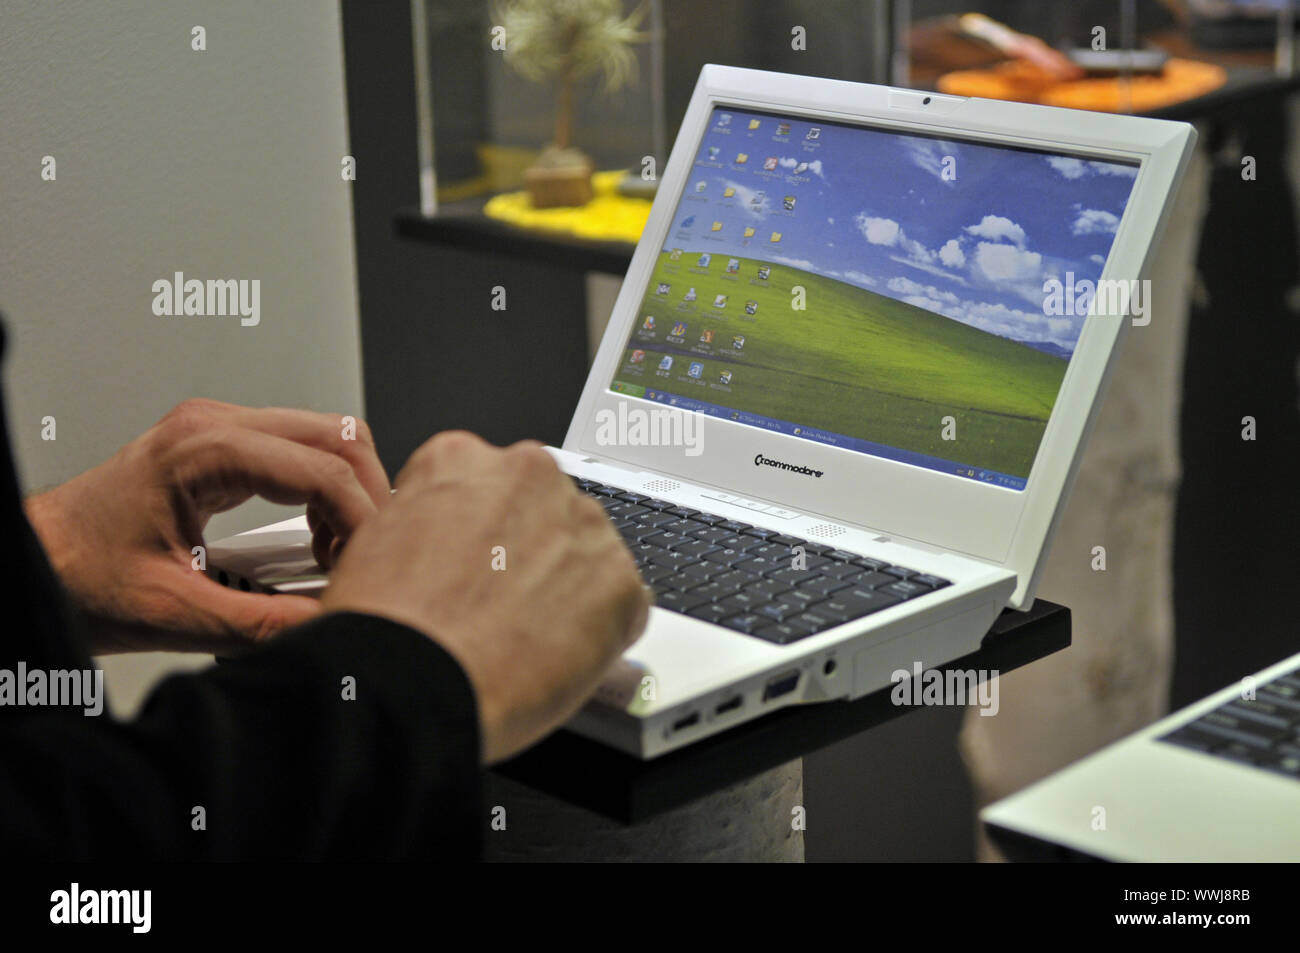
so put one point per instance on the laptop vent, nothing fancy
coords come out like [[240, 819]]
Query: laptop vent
[[662, 486], [826, 530]]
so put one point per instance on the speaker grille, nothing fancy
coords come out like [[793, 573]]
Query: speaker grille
[[826, 530], [662, 486]]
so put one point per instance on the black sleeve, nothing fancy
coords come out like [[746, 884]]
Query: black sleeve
[[349, 737]]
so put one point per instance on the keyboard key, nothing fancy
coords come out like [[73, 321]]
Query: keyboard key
[[783, 540], [679, 601], [767, 588], [875, 598], [726, 557], [694, 547], [795, 577], [746, 622], [711, 612], [702, 570], [899, 571], [867, 563], [780, 611], [734, 526], [714, 591], [934, 582], [872, 580], [825, 585], [712, 534], [783, 633], [907, 589], [737, 578], [682, 511], [816, 622]]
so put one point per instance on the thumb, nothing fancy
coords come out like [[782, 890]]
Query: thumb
[[237, 621]]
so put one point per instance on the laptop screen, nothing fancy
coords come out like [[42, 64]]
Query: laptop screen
[[893, 294]]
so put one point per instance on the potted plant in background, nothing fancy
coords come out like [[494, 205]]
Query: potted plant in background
[[565, 42]]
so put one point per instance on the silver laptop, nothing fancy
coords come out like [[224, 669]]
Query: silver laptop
[[1216, 781], [844, 388]]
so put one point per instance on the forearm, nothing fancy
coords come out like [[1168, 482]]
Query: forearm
[[350, 737]]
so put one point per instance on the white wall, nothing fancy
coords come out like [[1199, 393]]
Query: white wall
[[220, 164]]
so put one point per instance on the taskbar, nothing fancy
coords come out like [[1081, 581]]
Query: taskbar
[[857, 444]]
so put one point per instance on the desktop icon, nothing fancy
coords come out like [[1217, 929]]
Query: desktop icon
[[713, 151], [729, 192], [783, 129], [675, 255], [742, 158], [801, 168], [701, 186], [717, 226], [770, 163], [788, 203], [679, 329], [724, 377], [751, 307], [724, 119], [703, 260], [663, 288], [814, 133], [738, 342], [666, 363], [690, 295], [754, 124], [707, 336], [764, 272], [776, 237], [733, 265], [649, 323], [688, 221], [638, 357], [749, 231], [696, 370], [720, 301]]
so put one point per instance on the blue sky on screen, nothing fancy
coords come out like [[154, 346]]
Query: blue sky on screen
[[872, 208]]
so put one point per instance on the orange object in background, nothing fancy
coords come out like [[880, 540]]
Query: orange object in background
[[1180, 80]]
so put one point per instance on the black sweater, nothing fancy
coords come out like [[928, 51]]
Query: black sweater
[[281, 763]]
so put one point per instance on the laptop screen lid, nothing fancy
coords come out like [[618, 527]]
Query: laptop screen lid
[[888, 308]]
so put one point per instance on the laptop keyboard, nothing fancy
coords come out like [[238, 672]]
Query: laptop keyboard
[[1263, 731], [749, 579]]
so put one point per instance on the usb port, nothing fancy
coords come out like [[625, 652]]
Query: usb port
[[689, 721], [781, 685], [731, 704]]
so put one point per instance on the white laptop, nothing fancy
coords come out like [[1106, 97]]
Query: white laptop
[[1217, 781], [839, 401]]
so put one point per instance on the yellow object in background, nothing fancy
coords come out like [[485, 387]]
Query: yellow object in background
[[609, 217]]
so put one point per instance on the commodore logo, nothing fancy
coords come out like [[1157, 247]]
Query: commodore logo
[[762, 461]]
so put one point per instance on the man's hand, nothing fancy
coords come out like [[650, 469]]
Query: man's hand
[[121, 535], [535, 622]]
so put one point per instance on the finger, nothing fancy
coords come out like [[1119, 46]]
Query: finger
[[232, 462], [327, 432], [446, 455], [236, 621]]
